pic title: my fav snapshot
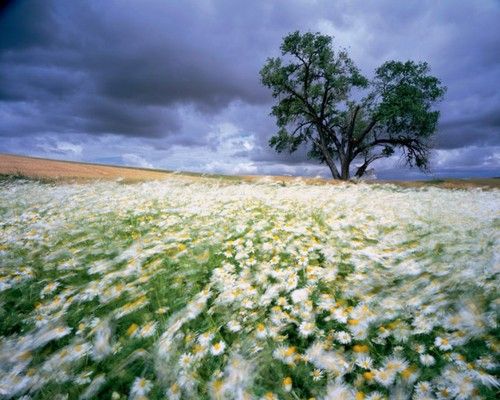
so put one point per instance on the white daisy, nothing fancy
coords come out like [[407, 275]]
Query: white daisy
[[364, 362], [385, 376], [442, 343], [261, 331], [306, 328], [300, 295], [343, 337], [205, 338], [234, 326], [317, 375], [427, 360], [141, 387], [218, 348], [185, 360]]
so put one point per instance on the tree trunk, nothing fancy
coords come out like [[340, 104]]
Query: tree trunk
[[328, 157], [344, 169], [333, 168]]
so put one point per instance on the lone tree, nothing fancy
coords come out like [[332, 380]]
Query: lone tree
[[313, 85]]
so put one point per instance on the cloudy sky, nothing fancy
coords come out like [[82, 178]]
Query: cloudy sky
[[174, 84]]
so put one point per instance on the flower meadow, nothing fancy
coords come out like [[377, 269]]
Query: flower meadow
[[216, 289]]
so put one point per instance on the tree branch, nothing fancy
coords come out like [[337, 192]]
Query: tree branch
[[350, 131], [368, 160], [324, 99], [364, 134], [367, 130], [300, 126], [312, 113]]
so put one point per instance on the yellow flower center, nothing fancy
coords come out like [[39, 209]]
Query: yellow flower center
[[217, 385], [132, 329], [360, 348], [175, 388], [368, 375], [290, 351]]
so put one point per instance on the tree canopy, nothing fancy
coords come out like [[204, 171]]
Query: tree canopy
[[324, 101]]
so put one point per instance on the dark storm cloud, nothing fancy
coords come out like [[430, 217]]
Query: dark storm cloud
[[481, 130], [25, 83], [128, 61], [153, 51], [171, 71], [105, 116], [25, 25]]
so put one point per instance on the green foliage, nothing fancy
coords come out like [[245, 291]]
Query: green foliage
[[313, 85]]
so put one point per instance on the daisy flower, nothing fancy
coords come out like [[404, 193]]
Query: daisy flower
[[427, 360], [218, 348], [375, 396], [205, 338], [306, 328], [300, 295], [149, 329], [185, 360], [420, 348], [234, 326], [442, 343], [141, 387], [364, 362], [174, 392], [287, 384], [385, 376], [317, 375], [260, 331], [343, 337]]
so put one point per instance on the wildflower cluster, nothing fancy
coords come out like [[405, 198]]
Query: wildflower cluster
[[193, 289]]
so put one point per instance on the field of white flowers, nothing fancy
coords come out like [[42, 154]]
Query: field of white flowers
[[212, 289]]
